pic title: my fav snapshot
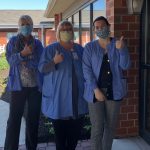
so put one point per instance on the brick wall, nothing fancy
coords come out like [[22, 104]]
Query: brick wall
[[50, 36], [58, 18], [3, 38], [129, 27]]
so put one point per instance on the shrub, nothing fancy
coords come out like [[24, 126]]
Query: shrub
[[3, 62], [85, 132]]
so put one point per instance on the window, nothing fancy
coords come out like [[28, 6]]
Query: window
[[144, 85], [85, 25], [99, 8], [76, 27], [70, 19]]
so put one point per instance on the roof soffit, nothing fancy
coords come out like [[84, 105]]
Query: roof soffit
[[57, 6]]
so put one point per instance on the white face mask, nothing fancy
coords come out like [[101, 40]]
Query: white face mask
[[66, 36]]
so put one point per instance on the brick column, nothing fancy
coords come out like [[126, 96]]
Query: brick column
[[58, 18], [129, 27]]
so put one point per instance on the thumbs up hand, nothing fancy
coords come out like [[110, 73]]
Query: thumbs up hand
[[26, 51], [58, 58], [120, 43]]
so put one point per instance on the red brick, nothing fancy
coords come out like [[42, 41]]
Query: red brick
[[137, 94], [124, 3], [111, 19], [131, 79], [128, 19], [57, 19], [122, 117], [129, 34], [136, 122], [137, 33], [3, 38], [118, 4], [108, 12], [133, 130], [134, 26], [134, 56], [137, 64], [136, 108], [121, 131], [130, 94], [128, 123], [127, 109], [132, 115], [131, 49], [120, 11], [133, 64], [132, 72], [132, 87], [134, 42], [121, 26], [50, 36], [129, 26], [138, 18], [110, 4], [132, 101], [117, 19]]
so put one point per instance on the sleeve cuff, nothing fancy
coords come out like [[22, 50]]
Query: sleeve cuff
[[123, 51], [94, 86], [21, 57]]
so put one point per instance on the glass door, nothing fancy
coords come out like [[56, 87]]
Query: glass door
[[145, 73]]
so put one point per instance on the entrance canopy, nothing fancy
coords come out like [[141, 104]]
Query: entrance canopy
[[66, 7]]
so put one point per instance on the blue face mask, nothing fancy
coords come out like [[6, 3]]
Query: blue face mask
[[26, 30], [103, 33]]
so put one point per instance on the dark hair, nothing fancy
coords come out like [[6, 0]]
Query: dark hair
[[101, 18]]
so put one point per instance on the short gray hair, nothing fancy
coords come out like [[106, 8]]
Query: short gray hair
[[61, 24], [27, 18]]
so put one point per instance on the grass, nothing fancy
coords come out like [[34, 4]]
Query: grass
[[3, 62]]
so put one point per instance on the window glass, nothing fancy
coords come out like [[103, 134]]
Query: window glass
[[85, 36], [99, 8], [76, 27], [70, 19]]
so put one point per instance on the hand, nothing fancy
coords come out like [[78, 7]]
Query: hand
[[26, 51], [120, 43], [58, 58], [99, 95]]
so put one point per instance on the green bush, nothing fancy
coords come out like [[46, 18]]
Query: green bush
[[3, 62], [85, 132]]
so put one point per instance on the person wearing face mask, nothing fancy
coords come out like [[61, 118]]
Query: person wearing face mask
[[104, 60], [62, 99], [23, 52]]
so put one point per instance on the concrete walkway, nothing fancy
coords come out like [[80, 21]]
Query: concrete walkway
[[4, 112], [135, 143]]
